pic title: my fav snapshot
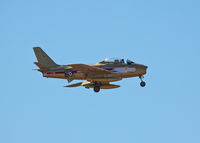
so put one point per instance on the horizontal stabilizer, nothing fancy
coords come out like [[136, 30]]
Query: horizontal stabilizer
[[42, 68]]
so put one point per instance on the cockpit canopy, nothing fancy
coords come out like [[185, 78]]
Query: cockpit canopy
[[116, 61]]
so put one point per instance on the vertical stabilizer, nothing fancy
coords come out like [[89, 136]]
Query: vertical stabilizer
[[43, 59]]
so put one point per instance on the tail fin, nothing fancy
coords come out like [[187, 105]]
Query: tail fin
[[44, 61]]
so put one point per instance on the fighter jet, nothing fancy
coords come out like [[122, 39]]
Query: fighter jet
[[97, 76]]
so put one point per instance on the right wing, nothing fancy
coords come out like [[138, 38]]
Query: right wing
[[90, 69]]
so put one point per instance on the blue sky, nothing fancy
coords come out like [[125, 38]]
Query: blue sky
[[161, 34]]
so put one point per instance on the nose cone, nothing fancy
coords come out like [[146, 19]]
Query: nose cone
[[142, 69], [145, 66]]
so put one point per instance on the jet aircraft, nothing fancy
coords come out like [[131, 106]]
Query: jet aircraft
[[98, 76]]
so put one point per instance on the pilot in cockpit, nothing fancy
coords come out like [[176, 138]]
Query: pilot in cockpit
[[122, 61], [129, 62]]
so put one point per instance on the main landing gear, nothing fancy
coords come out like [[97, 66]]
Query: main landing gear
[[97, 87], [142, 83]]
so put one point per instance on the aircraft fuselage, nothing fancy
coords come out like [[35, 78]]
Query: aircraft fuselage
[[123, 71]]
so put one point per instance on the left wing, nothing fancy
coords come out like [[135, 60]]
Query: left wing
[[75, 85], [90, 69], [79, 84], [88, 84]]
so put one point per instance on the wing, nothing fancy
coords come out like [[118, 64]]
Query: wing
[[88, 84], [90, 69], [85, 83], [75, 85]]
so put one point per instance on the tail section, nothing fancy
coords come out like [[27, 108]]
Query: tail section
[[44, 61]]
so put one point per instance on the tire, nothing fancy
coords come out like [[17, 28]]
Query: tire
[[142, 84], [96, 88]]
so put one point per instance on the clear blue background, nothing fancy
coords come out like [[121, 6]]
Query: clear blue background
[[165, 35]]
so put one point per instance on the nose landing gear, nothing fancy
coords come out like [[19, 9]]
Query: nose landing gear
[[142, 83]]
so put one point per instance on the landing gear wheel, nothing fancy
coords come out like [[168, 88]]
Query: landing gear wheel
[[142, 84], [96, 88]]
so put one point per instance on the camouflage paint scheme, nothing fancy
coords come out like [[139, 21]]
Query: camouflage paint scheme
[[97, 76]]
